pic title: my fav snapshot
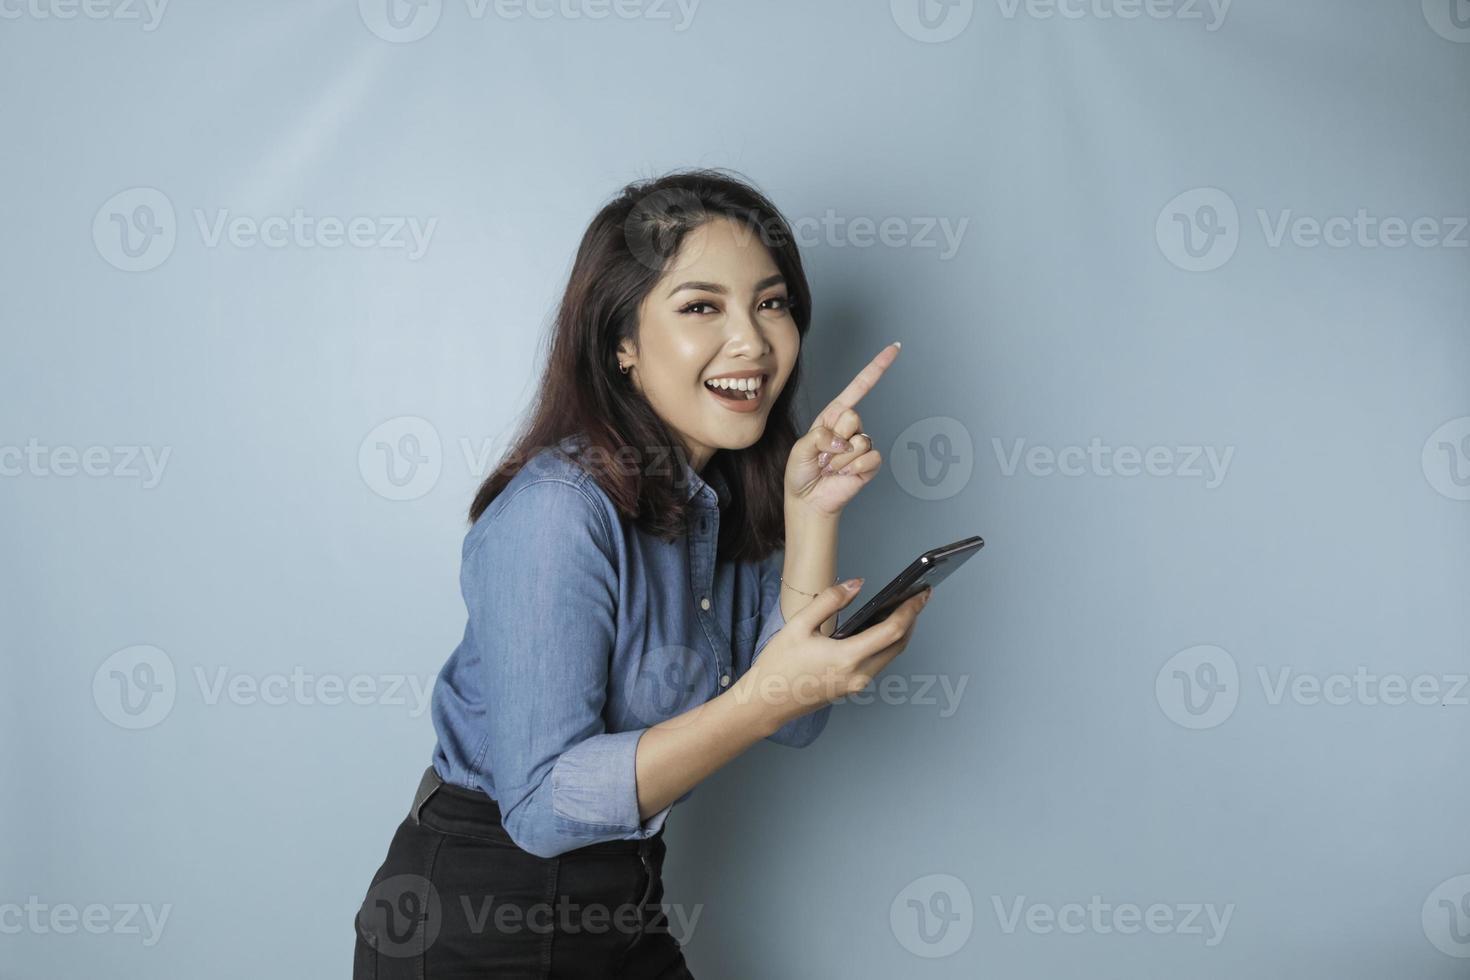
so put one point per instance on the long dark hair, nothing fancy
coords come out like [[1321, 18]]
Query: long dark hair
[[624, 252]]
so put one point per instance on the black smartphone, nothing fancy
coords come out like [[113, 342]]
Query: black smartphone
[[929, 569]]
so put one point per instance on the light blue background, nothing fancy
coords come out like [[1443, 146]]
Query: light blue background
[[269, 546]]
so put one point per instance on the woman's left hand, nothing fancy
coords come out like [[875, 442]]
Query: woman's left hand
[[836, 459]]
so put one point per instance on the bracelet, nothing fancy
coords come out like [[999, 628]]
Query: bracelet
[[795, 589]]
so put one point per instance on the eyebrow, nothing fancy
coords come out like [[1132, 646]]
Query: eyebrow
[[714, 287]]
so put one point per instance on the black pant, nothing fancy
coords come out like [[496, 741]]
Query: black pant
[[455, 897]]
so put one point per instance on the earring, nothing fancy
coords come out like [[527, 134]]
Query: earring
[[624, 368]]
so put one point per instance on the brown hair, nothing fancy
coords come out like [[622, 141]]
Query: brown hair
[[624, 252]]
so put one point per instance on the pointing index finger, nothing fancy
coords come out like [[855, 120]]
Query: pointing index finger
[[866, 379]]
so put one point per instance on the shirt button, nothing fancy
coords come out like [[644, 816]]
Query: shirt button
[[724, 680], [704, 603]]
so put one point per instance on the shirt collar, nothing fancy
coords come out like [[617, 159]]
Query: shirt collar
[[712, 481]]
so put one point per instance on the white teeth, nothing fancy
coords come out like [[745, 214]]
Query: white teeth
[[737, 384]]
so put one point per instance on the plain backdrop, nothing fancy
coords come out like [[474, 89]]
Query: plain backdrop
[[1183, 298]]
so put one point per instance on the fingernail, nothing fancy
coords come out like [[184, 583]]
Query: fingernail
[[845, 470], [853, 584], [898, 343], [822, 460], [840, 444]]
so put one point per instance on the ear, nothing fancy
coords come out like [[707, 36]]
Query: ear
[[626, 353]]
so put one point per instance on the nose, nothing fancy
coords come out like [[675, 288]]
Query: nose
[[746, 335]]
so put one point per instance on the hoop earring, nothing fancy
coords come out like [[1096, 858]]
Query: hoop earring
[[624, 368]]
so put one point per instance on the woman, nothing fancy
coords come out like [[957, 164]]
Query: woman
[[630, 628]]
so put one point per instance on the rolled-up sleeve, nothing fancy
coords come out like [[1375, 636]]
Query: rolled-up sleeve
[[541, 588], [801, 731]]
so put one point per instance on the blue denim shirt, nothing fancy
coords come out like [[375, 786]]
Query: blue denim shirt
[[583, 632]]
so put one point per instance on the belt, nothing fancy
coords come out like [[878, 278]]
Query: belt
[[428, 786]]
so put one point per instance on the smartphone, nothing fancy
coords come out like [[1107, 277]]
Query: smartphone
[[929, 569]]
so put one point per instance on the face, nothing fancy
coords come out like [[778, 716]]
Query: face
[[721, 312]]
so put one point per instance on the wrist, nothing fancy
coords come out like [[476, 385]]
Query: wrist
[[803, 514], [759, 715]]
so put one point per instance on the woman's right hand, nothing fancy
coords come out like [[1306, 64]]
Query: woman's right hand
[[801, 669]]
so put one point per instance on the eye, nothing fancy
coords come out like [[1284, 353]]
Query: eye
[[689, 307], [785, 302]]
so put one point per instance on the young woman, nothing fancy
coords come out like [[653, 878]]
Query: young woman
[[634, 623]]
